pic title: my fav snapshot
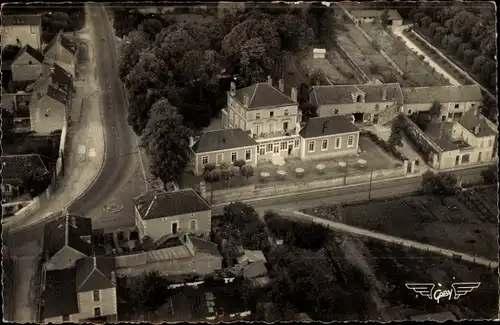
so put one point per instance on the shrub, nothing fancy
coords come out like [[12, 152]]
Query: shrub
[[247, 171], [239, 163], [223, 165], [208, 168], [384, 145]]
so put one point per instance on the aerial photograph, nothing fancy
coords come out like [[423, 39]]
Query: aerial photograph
[[249, 161]]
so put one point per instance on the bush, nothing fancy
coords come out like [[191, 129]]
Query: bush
[[239, 163], [384, 145]]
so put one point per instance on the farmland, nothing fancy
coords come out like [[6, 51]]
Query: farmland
[[369, 59], [418, 73], [457, 223], [338, 73]]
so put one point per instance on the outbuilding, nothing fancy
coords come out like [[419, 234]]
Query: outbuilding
[[319, 53], [367, 16]]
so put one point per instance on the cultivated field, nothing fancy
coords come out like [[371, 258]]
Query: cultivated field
[[417, 72], [343, 66], [373, 64], [456, 223], [343, 75]]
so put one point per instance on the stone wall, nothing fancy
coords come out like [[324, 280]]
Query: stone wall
[[351, 62]]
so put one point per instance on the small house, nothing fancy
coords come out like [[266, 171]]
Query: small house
[[319, 53]]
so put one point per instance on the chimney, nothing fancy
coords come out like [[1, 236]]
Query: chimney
[[293, 94], [269, 80], [232, 90], [476, 129], [384, 93], [246, 100], [281, 85]]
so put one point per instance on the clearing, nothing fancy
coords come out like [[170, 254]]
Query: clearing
[[417, 72], [343, 75], [454, 223]]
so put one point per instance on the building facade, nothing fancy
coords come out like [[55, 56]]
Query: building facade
[[27, 66], [20, 30]]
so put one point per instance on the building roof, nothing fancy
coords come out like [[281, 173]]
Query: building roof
[[17, 168], [94, 273], [60, 296], [343, 94], [437, 317], [204, 246], [441, 134], [262, 95], [393, 14], [60, 40], [158, 204], [222, 139], [470, 120], [442, 94], [31, 51], [26, 20], [254, 270], [324, 126], [67, 230], [58, 94]]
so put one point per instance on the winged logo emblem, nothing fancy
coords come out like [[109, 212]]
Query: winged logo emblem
[[457, 290]]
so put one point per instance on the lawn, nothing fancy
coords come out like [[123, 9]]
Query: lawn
[[362, 52], [418, 73], [431, 53], [444, 222], [326, 68]]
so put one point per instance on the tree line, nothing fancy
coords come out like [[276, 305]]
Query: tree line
[[468, 32], [172, 71]]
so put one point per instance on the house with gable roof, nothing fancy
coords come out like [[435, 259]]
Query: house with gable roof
[[20, 30], [86, 291], [62, 52], [66, 240], [159, 213], [26, 66]]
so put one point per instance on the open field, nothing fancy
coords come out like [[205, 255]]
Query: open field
[[417, 72], [438, 59], [334, 75], [342, 66], [369, 59], [450, 222]]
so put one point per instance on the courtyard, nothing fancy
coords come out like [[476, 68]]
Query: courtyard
[[371, 156]]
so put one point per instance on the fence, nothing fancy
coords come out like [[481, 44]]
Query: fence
[[267, 190], [418, 136], [356, 68]]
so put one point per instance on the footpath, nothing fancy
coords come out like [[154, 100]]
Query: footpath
[[84, 152], [387, 238]]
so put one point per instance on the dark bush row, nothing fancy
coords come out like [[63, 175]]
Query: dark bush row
[[384, 145]]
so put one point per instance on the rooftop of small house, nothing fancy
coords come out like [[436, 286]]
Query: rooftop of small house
[[60, 40], [17, 104], [17, 168], [330, 125], [34, 53], [442, 94], [441, 134], [344, 94], [222, 139], [393, 14], [262, 95], [476, 123], [67, 230], [159, 204]]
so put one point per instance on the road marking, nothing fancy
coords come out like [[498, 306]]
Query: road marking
[[81, 149], [92, 153]]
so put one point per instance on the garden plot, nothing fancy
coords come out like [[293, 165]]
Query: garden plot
[[313, 65], [418, 73], [343, 67], [366, 57], [446, 223], [489, 195]]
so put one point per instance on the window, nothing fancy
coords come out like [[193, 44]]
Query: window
[[457, 105], [350, 141], [337, 143], [286, 112], [409, 111], [336, 111], [65, 318], [283, 145], [465, 159], [297, 144], [271, 114], [262, 150], [174, 226], [248, 155], [33, 29], [234, 156], [472, 105], [481, 144], [285, 126], [218, 159], [269, 147], [29, 62], [204, 160], [257, 116], [97, 295], [490, 143], [257, 129], [311, 146], [193, 225], [450, 115], [324, 144], [97, 312]]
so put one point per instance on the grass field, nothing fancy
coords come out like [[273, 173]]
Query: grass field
[[339, 73], [450, 222], [343, 66], [418, 73], [431, 53]]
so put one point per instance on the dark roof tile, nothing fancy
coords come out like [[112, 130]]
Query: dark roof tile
[[60, 296], [262, 95], [222, 139], [26, 20], [94, 273], [205, 246], [442, 94], [54, 238], [16, 168], [342, 94], [330, 125], [158, 204], [470, 120], [31, 51]]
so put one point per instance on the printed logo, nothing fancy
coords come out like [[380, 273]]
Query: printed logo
[[457, 290]]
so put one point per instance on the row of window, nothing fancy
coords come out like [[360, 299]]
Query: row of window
[[286, 112], [219, 157], [10, 29], [276, 147], [174, 225], [271, 127], [337, 143]]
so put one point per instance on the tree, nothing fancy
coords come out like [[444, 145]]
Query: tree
[[37, 182], [247, 221], [246, 171], [490, 175], [384, 18], [396, 138], [129, 51], [7, 122], [208, 168], [149, 292], [239, 163], [151, 27], [53, 22], [9, 52], [308, 111], [295, 34], [439, 184], [228, 176], [212, 177], [435, 110], [166, 141]]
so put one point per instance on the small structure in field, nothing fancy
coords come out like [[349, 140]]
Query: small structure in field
[[319, 53]]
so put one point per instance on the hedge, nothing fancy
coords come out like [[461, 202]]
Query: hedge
[[384, 145]]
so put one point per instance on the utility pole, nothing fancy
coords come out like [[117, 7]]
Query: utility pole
[[370, 186]]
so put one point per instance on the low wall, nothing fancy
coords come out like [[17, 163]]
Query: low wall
[[62, 145], [418, 136], [32, 206], [351, 62], [269, 190]]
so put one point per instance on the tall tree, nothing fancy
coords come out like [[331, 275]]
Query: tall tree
[[151, 26], [384, 18], [435, 109], [166, 141], [129, 51], [396, 138], [308, 111]]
